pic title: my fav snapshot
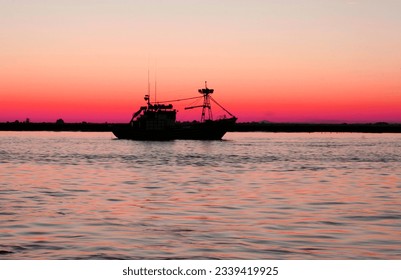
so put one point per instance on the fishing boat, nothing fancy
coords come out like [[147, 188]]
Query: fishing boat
[[157, 121]]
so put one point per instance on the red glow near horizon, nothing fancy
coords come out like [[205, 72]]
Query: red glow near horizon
[[114, 103], [120, 109]]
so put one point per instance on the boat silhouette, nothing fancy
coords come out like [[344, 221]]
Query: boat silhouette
[[157, 121]]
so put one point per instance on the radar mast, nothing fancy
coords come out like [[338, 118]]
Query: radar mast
[[206, 107]]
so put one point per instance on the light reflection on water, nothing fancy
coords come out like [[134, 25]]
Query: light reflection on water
[[251, 196]]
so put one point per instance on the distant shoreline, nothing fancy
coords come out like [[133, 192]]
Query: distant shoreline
[[379, 127]]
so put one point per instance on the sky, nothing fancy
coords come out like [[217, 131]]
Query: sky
[[278, 60]]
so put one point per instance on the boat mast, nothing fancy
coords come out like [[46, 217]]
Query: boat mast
[[206, 106], [206, 103], [147, 96]]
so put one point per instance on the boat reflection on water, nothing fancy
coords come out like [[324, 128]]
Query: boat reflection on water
[[157, 121]]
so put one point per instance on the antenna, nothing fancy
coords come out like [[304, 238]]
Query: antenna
[[148, 93], [148, 82], [155, 81]]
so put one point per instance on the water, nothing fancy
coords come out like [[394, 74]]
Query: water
[[252, 196]]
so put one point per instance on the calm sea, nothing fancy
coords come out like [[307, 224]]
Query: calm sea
[[74, 195]]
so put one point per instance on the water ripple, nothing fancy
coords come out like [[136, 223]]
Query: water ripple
[[256, 196]]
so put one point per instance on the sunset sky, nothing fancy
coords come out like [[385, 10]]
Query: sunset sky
[[278, 60]]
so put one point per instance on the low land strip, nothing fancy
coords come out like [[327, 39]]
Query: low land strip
[[379, 127]]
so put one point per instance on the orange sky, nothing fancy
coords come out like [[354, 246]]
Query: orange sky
[[296, 61]]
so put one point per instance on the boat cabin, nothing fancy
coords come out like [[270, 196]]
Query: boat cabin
[[154, 116]]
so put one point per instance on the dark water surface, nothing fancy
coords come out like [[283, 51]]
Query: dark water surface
[[252, 196]]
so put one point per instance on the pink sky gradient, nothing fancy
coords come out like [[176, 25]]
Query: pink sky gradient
[[299, 61]]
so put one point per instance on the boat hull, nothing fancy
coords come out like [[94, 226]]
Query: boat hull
[[209, 130]]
